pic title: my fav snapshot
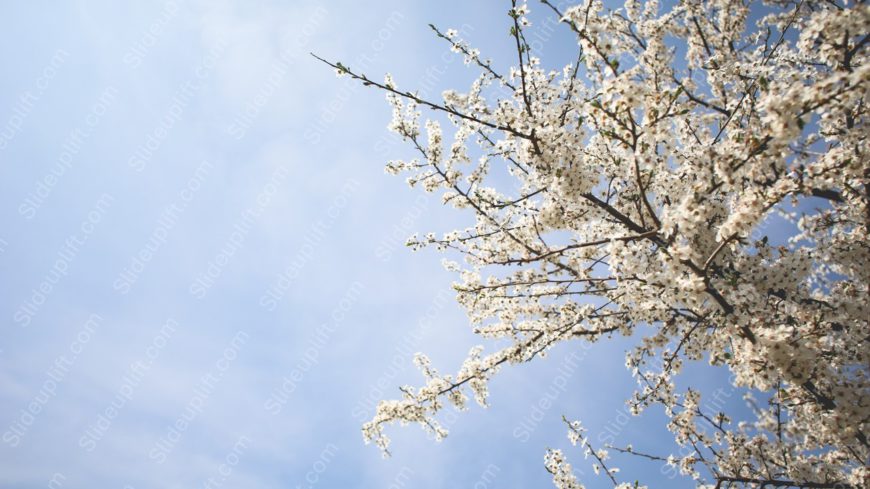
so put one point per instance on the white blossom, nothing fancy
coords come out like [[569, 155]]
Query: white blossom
[[636, 197]]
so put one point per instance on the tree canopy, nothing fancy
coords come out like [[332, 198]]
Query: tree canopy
[[645, 177]]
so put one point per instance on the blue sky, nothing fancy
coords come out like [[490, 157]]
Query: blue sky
[[204, 281]]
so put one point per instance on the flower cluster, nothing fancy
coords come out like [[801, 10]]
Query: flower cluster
[[718, 208]]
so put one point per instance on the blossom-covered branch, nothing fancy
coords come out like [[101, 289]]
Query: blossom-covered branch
[[711, 199]]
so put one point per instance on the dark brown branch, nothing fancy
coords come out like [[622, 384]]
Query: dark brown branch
[[410, 96]]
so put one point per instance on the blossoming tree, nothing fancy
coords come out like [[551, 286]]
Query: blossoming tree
[[644, 176]]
